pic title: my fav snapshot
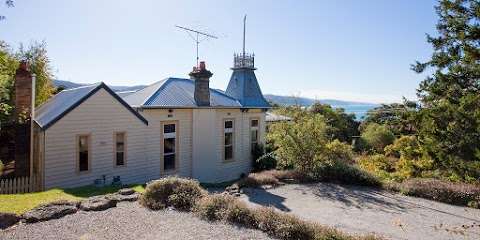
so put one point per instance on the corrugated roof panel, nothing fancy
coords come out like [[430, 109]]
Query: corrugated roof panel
[[61, 102], [176, 92]]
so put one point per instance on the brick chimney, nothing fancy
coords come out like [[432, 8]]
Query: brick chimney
[[202, 84], [23, 108]]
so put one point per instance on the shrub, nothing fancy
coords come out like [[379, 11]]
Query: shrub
[[259, 179], [263, 158], [220, 207], [171, 191], [344, 173], [283, 226], [462, 194], [378, 164], [297, 143], [377, 137], [1, 167]]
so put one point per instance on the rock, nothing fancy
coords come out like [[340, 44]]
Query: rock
[[126, 191], [98, 203], [123, 198], [8, 219], [50, 211]]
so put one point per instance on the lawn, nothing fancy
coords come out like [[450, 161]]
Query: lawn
[[20, 203]]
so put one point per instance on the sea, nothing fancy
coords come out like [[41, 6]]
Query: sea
[[359, 110]]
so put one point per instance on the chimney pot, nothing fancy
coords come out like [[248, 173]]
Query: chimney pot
[[201, 76], [24, 65], [202, 65]]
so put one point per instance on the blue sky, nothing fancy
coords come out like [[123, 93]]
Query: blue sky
[[350, 50]]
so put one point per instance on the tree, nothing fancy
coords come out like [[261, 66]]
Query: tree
[[8, 3], [450, 118], [342, 125], [36, 54], [377, 137], [401, 118]]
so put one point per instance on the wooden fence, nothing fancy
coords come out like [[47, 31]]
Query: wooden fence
[[20, 185]]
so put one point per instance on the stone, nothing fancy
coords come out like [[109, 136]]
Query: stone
[[126, 191], [123, 198], [98, 203], [8, 219], [50, 211]]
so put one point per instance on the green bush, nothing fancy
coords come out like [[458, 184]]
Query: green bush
[[462, 194], [1, 167], [263, 158], [345, 174], [171, 191], [377, 137]]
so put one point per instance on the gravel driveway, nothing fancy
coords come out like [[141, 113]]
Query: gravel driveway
[[366, 210], [129, 221]]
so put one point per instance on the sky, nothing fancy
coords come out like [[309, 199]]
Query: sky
[[338, 49]]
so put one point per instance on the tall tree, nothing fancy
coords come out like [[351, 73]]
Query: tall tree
[[450, 118]]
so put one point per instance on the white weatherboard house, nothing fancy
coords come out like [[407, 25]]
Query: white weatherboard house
[[173, 127]]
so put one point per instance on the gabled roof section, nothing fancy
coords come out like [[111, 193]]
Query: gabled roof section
[[244, 86], [67, 100], [176, 93]]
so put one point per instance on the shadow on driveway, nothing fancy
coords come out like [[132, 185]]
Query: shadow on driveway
[[262, 197]]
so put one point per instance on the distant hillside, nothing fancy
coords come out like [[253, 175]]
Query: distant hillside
[[68, 85], [289, 100]]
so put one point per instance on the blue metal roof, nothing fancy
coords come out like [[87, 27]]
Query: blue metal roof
[[67, 100], [176, 93], [244, 86]]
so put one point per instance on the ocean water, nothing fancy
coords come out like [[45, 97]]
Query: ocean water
[[359, 110]]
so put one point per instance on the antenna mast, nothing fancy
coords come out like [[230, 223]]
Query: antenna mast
[[196, 39], [244, 28]]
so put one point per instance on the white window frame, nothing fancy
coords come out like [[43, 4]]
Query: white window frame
[[171, 135], [232, 145]]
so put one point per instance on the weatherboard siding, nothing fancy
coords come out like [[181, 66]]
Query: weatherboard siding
[[99, 116], [184, 118], [209, 164]]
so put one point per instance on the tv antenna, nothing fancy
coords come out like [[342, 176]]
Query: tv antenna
[[197, 37]]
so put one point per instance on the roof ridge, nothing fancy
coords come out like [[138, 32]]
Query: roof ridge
[[158, 89], [85, 86]]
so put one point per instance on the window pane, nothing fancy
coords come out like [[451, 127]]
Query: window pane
[[228, 124], [169, 162], [254, 123], [83, 143], [254, 135], [228, 152], [169, 145], [168, 128], [120, 146], [120, 158], [228, 138], [83, 153]]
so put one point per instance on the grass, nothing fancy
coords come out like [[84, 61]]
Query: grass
[[21, 203]]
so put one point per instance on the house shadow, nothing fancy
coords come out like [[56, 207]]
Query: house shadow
[[357, 197], [262, 197]]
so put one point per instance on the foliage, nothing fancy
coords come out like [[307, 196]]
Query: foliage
[[259, 179], [400, 118], [172, 191], [450, 117], [263, 158], [344, 173], [1, 167], [378, 164], [36, 55], [23, 202], [462, 194], [342, 125], [376, 137], [279, 225], [298, 143]]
